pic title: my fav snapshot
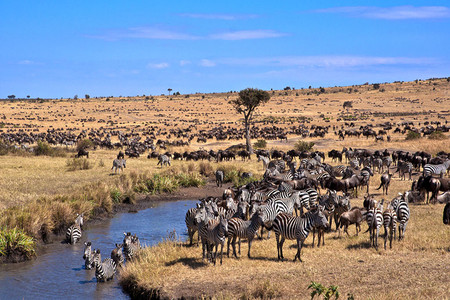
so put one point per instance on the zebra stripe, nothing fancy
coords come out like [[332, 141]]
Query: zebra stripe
[[374, 218], [386, 162], [377, 163], [105, 270], [389, 221], [119, 164], [401, 208], [238, 228], [354, 163], [216, 232], [117, 255], [205, 212], [163, 160], [289, 227], [88, 256], [403, 168], [73, 233], [191, 225], [440, 169], [131, 245]]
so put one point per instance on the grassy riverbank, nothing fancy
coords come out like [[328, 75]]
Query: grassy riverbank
[[415, 268]]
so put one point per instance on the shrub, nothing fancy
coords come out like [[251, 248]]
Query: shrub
[[437, 135], [78, 164], [43, 148], [14, 242], [412, 135], [116, 196], [304, 146], [205, 168], [84, 144], [260, 144]]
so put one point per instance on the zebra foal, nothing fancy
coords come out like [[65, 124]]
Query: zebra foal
[[238, 228]]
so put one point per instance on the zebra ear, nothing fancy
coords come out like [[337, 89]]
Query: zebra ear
[[124, 234]]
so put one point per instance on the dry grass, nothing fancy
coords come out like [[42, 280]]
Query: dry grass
[[415, 268]]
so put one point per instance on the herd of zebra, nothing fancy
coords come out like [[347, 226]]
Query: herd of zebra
[[272, 202], [104, 270]]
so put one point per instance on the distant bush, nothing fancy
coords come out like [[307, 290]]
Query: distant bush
[[78, 164], [43, 148], [304, 146], [260, 144], [376, 86], [84, 144], [411, 135], [437, 135]]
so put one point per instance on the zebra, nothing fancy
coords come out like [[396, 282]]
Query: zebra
[[440, 169], [205, 212], [191, 224], [265, 160], [119, 164], [117, 255], [377, 163], [366, 172], [386, 162], [105, 270], [216, 232], [404, 167], [270, 211], [131, 245], [354, 163], [73, 233], [163, 160], [401, 208], [238, 228], [338, 171], [374, 218], [289, 227], [219, 177], [88, 256], [389, 221], [285, 187]]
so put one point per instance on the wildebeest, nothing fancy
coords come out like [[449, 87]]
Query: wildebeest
[[385, 181], [82, 152], [446, 217]]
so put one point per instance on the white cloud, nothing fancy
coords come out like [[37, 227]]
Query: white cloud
[[226, 17], [184, 62], [162, 65], [207, 63], [247, 34], [391, 13], [325, 61], [28, 62]]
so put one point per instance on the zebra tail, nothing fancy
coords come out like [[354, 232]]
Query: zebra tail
[[381, 184]]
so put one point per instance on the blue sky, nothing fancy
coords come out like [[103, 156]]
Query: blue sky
[[112, 48]]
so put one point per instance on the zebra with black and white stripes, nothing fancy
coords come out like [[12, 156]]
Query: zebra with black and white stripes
[[205, 212], [117, 255], [105, 270], [88, 256], [191, 225], [354, 163], [238, 228], [389, 222], [377, 163], [119, 164], [73, 233], [441, 169], [386, 162], [366, 172], [131, 245], [265, 160], [216, 233], [404, 167], [401, 208], [289, 227], [374, 218], [163, 160]]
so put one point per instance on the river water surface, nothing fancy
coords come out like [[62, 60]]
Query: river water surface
[[58, 272]]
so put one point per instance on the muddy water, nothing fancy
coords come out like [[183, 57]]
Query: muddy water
[[58, 272]]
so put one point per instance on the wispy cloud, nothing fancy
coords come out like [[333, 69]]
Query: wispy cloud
[[325, 61], [226, 17], [184, 62], [162, 65], [167, 34], [391, 13], [207, 63], [28, 62]]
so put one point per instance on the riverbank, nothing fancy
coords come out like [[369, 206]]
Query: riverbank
[[415, 268], [44, 221]]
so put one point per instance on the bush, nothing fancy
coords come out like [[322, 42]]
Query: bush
[[84, 144], [437, 135], [412, 135], [260, 144], [43, 148], [304, 146], [78, 164], [14, 242]]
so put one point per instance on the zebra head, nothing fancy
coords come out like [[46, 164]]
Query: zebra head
[[97, 259], [223, 225], [242, 209], [79, 220], [127, 239], [200, 214], [87, 250]]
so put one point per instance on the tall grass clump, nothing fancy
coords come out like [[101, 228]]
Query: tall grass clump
[[304, 146], [81, 163], [43, 148], [437, 135], [15, 244], [411, 135], [260, 144]]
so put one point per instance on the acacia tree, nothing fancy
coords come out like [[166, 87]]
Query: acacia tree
[[246, 104]]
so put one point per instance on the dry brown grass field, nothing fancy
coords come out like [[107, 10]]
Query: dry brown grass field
[[415, 268]]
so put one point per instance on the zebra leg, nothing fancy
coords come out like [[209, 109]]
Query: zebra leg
[[278, 245], [215, 254], [322, 233], [239, 246], [376, 238], [385, 237], [250, 240], [314, 237], [228, 245], [221, 252], [234, 246], [390, 237], [191, 236]]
